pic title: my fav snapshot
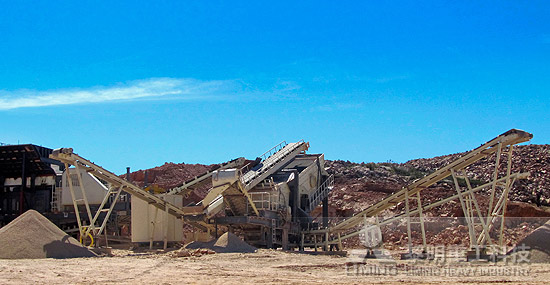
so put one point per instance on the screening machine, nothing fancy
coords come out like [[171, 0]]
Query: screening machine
[[268, 199]]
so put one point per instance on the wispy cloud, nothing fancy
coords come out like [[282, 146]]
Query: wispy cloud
[[154, 88]]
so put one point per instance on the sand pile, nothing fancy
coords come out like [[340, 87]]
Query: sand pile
[[32, 236], [538, 242], [226, 243], [229, 242]]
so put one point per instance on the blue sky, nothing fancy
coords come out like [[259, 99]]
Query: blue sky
[[139, 84]]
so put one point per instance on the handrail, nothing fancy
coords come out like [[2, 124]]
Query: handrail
[[262, 201], [264, 156], [321, 192], [247, 175]]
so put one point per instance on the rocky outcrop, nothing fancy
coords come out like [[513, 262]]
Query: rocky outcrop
[[170, 175], [534, 159], [360, 185]]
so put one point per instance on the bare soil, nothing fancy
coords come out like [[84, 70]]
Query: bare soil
[[264, 266]]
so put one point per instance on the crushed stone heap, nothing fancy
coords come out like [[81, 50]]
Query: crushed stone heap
[[33, 236], [226, 243], [229, 242], [538, 244]]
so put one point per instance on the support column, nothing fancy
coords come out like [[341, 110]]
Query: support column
[[294, 200], [407, 213], [84, 197], [467, 212], [2, 197], [315, 241], [23, 184], [326, 246], [75, 203], [270, 241], [285, 239], [421, 217], [30, 198], [505, 195], [325, 212]]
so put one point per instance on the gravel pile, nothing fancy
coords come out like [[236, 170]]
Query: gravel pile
[[226, 243], [32, 236], [538, 244], [229, 242]]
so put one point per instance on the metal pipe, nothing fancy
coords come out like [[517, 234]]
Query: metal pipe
[[128, 174]]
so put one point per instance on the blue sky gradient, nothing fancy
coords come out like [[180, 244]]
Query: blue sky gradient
[[138, 84]]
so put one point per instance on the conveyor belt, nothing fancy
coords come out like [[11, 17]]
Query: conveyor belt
[[191, 184], [348, 228], [509, 138], [66, 155], [272, 161]]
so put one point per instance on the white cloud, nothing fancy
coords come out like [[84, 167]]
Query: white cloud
[[156, 88]]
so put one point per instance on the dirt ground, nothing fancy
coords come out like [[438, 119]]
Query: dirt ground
[[264, 266]]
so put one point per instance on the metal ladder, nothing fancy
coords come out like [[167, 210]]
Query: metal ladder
[[55, 200], [321, 193], [68, 157]]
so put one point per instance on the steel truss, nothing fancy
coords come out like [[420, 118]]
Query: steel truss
[[97, 221], [480, 221]]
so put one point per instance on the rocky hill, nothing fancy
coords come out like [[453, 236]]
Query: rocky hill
[[170, 175], [358, 185], [534, 159]]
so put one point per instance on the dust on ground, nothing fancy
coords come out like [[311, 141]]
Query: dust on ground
[[263, 266]]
